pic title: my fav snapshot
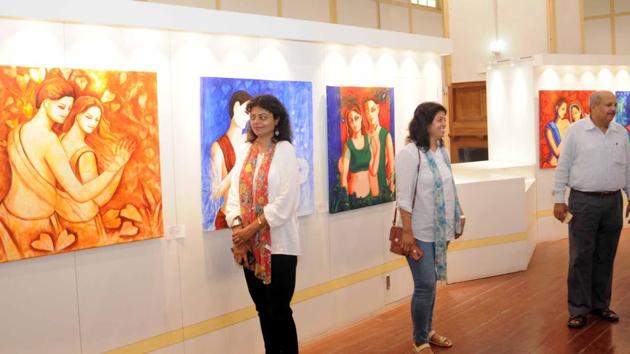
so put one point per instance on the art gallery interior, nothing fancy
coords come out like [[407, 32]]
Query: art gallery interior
[[176, 289]]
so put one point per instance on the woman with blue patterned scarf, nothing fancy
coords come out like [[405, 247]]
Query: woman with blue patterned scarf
[[430, 213]]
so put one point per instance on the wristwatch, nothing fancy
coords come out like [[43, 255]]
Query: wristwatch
[[236, 222]]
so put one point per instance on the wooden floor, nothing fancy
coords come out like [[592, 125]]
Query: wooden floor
[[524, 312]]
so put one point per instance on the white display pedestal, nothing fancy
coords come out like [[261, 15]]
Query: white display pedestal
[[499, 203]]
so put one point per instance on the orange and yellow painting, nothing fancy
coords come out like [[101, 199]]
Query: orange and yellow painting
[[79, 160]]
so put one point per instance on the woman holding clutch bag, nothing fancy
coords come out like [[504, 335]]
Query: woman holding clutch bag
[[432, 220], [262, 212]]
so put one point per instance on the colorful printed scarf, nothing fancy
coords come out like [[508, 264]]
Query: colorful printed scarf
[[440, 221], [253, 197]]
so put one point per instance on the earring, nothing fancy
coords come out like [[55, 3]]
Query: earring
[[276, 133]]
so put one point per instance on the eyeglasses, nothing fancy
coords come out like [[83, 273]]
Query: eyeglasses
[[261, 117]]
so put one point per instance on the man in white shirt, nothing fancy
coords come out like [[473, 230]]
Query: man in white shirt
[[595, 163]]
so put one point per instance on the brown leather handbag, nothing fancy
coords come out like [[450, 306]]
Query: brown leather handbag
[[395, 242], [395, 231]]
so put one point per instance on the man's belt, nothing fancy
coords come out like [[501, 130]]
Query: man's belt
[[597, 194]]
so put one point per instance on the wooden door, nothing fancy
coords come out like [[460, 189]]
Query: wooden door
[[468, 118]]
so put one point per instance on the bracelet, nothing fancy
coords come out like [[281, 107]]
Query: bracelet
[[236, 222]]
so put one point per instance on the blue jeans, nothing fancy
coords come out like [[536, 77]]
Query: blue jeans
[[423, 299]]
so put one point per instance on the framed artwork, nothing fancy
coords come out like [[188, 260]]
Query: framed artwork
[[223, 127], [360, 147], [79, 160], [557, 111], [623, 110]]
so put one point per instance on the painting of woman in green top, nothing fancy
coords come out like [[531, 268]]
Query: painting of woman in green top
[[359, 162], [360, 147]]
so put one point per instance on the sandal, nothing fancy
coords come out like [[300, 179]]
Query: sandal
[[439, 340], [422, 349], [606, 314], [576, 321]]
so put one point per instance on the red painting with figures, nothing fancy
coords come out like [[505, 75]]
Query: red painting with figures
[[558, 110]]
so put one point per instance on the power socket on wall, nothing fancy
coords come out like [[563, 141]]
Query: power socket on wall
[[388, 282]]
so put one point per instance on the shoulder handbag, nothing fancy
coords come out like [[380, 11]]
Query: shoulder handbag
[[395, 232]]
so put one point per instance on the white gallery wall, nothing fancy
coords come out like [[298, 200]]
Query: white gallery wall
[[568, 36], [102, 299], [521, 25], [597, 76], [332, 245], [385, 15], [513, 113], [511, 127], [606, 26], [96, 298]]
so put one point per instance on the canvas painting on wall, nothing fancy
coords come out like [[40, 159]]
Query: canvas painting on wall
[[79, 160], [623, 110], [558, 110], [223, 127], [360, 147]]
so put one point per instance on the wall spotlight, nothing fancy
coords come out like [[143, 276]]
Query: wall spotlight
[[497, 47]]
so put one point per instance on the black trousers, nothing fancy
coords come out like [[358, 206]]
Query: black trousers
[[273, 303], [593, 238]]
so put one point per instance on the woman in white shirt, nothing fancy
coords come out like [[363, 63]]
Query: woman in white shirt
[[431, 215], [262, 212]]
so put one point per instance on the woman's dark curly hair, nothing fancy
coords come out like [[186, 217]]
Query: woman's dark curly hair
[[423, 117], [276, 108]]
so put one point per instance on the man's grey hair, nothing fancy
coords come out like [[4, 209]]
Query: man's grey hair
[[596, 98]]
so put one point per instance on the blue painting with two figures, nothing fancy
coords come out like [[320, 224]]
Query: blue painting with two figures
[[223, 131]]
